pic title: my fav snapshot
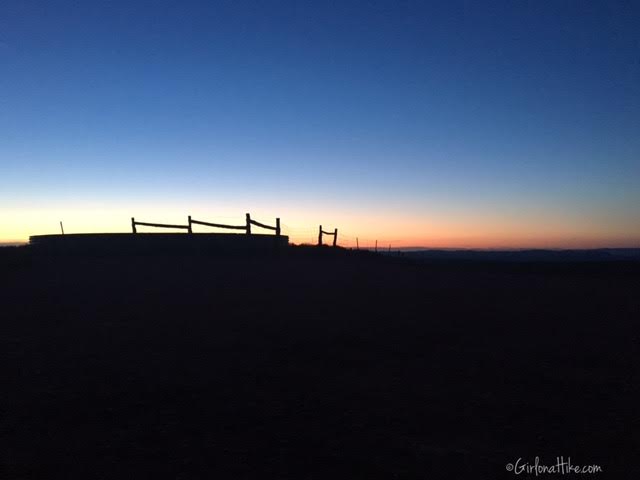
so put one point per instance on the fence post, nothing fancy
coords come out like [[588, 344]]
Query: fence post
[[133, 225], [277, 227], [320, 236], [189, 230], [248, 224], [335, 237]]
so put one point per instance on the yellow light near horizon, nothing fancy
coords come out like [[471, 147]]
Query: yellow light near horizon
[[301, 225]]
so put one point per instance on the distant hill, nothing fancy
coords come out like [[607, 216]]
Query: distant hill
[[530, 255]]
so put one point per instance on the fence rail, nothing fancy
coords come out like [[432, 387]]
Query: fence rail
[[262, 225], [334, 234], [134, 223], [216, 225], [189, 227], [246, 227]]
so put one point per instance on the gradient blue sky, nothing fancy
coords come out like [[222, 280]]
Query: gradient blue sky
[[474, 123]]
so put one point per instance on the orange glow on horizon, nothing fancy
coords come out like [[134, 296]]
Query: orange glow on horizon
[[432, 230]]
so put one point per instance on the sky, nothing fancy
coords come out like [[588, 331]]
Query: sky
[[438, 124]]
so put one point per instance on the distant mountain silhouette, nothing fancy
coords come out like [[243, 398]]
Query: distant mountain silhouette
[[530, 255]]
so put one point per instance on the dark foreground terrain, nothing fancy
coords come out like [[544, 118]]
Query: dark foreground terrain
[[315, 365]]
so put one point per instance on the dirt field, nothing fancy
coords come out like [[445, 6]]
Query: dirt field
[[315, 365]]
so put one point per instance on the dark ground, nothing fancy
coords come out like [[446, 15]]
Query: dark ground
[[315, 366]]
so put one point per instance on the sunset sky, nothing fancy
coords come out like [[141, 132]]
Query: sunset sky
[[437, 124]]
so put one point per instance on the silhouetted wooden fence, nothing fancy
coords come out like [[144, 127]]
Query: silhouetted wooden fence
[[262, 225], [215, 225], [334, 234], [189, 227], [134, 223]]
